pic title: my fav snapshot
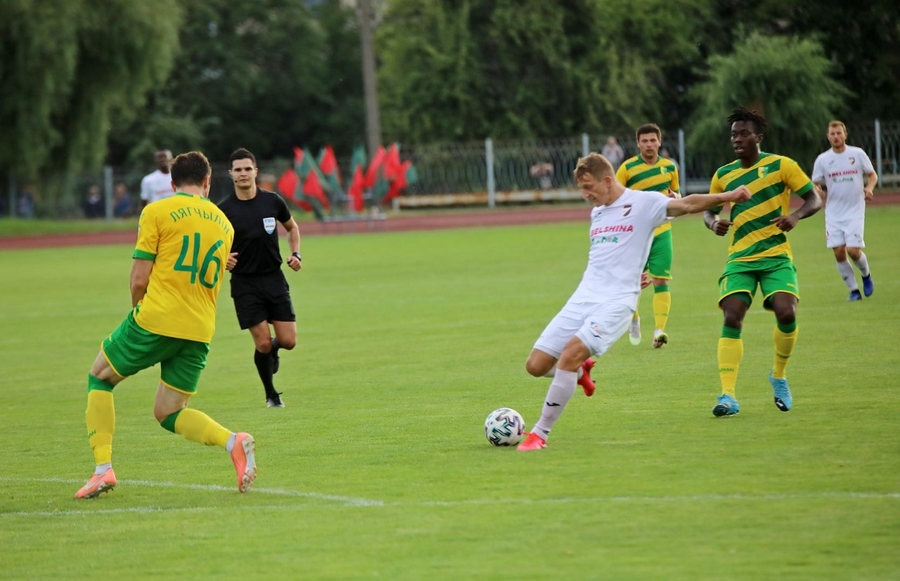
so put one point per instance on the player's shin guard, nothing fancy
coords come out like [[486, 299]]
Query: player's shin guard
[[100, 418], [196, 426], [561, 390], [730, 352], [263, 362], [785, 337], [846, 272], [862, 265], [662, 304]]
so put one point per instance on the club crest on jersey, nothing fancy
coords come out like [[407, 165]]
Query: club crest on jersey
[[852, 160], [763, 171], [269, 225], [626, 209]]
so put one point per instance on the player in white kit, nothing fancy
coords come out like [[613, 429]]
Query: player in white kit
[[849, 178], [158, 185], [600, 310]]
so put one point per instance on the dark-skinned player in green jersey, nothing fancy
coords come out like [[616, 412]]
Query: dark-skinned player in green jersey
[[759, 252]]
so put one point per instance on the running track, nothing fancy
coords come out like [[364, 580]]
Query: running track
[[403, 222]]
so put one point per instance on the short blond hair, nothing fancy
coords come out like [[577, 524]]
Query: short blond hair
[[836, 123], [593, 164]]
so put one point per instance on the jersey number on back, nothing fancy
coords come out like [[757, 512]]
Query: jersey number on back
[[201, 269]]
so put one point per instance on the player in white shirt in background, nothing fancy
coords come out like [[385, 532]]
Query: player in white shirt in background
[[158, 185], [600, 310], [849, 178]]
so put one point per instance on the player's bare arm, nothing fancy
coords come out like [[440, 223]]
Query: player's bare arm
[[293, 232], [697, 204], [871, 182], [820, 189], [812, 203], [231, 262], [140, 278]]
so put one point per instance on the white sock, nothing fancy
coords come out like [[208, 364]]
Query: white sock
[[230, 445], [101, 468], [862, 265], [552, 372], [847, 274], [561, 390]]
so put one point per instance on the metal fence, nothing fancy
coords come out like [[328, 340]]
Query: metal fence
[[486, 173]]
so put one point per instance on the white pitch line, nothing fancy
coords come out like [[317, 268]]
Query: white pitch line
[[346, 500], [349, 501]]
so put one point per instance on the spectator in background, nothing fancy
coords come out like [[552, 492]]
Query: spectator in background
[[123, 204], [158, 185], [543, 171], [25, 204], [93, 205], [613, 152], [664, 153]]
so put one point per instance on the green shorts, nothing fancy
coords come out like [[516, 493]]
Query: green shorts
[[772, 276], [659, 263], [130, 349]]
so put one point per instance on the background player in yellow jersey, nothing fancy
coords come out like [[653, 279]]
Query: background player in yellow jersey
[[650, 172], [176, 275], [759, 253]]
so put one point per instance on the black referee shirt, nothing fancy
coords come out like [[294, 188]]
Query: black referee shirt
[[256, 231]]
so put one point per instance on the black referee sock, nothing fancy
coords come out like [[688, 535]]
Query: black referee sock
[[276, 361], [263, 363]]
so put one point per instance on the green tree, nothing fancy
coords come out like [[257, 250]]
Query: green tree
[[787, 79], [861, 39], [265, 75], [465, 69], [70, 69]]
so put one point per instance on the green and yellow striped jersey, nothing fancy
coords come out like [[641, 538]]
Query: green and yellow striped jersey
[[662, 176], [771, 180]]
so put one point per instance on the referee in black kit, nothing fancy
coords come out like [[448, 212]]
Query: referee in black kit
[[260, 292]]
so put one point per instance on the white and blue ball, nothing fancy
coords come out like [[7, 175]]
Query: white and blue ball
[[504, 427]]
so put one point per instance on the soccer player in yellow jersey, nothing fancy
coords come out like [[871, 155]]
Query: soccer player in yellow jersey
[[650, 172], [176, 275], [759, 253]]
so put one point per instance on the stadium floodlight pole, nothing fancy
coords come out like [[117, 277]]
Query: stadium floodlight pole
[[373, 120]]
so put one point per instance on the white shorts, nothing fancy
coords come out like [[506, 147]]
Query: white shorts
[[849, 232], [598, 325]]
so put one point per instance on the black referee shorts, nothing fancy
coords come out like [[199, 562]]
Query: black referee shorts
[[261, 297]]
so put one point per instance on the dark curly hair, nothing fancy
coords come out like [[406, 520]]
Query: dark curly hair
[[743, 114]]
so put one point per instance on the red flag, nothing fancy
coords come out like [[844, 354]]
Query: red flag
[[392, 162], [298, 155], [398, 183], [313, 187], [328, 163], [355, 191], [287, 186], [287, 183], [374, 166]]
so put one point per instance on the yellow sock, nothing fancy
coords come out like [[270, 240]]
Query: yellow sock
[[730, 353], [100, 418], [784, 347], [662, 304], [196, 426]]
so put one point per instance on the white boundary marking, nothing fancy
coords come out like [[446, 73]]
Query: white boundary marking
[[350, 501]]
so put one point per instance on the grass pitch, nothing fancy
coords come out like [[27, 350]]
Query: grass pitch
[[378, 467]]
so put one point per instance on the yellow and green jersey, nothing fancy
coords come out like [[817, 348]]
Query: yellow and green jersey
[[188, 238], [771, 180], [662, 176]]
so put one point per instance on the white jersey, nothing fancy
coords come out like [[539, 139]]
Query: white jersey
[[844, 176], [620, 237], [156, 186]]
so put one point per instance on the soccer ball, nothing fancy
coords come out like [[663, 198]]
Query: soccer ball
[[504, 427]]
